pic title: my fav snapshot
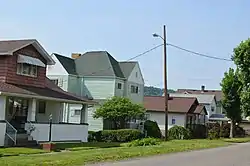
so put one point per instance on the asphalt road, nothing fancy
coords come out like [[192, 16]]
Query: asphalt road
[[235, 155]]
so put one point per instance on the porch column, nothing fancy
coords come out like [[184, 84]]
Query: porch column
[[84, 114], [3, 107], [32, 110]]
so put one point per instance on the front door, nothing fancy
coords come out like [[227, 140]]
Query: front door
[[17, 112]]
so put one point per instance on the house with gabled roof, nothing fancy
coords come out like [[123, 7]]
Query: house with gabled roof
[[182, 111], [96, 75], [29, 101]]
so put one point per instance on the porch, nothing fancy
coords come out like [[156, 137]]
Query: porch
[[29, 118]]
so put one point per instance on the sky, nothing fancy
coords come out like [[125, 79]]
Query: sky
[[124, 28]]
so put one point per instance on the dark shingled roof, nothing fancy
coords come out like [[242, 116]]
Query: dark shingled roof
[[127, 67], [98, 63], [68, 63]]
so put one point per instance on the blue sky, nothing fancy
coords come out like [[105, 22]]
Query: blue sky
[[124, 29]]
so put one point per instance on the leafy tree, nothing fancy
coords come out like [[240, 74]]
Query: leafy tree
[[119, 110], [241, 58], [231, 88], [154, 91]]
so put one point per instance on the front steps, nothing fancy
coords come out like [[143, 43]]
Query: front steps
[[22, 141]]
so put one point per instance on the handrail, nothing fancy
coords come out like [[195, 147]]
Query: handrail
[[9, 133]]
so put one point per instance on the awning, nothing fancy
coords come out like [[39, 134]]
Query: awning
[[30, 60]]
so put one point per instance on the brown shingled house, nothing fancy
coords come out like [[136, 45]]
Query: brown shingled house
[[28, 99], [183, 111]]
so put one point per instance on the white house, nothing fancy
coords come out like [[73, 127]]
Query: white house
[[30, 100], [182, 111], [99, 76], [209, 101]]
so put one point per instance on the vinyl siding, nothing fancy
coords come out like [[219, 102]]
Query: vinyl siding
[[99, 88], [74, 85], [119, 92], [94, 124]]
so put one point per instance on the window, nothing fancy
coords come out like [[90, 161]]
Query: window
[[134, 89], [173, 120], [77, 112], [27, 69], [147, 116], [41, 107], [136, 74], [212, 109], [55, 81], [119, 86]]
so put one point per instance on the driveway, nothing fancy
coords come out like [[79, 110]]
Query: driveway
[[235, 155]]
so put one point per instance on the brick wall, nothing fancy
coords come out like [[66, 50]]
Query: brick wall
[[14, 78]]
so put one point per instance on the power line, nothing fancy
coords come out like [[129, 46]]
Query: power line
[[199, 54], [139, 55]]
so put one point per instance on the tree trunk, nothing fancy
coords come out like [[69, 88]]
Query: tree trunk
[[232, 129]]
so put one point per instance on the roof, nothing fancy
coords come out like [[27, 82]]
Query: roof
[[218, 117], [8, 47], [98, 63], [49, 91], [127, 67], [175, 104], [202, 98], [200, 108], [68, 63], [218, 93]]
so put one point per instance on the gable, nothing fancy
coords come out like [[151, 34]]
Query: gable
[[57, 69], [9, 47], [67, 63], [136, 75]]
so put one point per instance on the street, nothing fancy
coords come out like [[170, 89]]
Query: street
[[235, 155]]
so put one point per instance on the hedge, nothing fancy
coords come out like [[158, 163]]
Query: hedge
[[152, 129]]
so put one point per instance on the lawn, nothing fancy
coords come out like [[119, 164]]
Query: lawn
[[94, 154], [19, 151], [237, 140]]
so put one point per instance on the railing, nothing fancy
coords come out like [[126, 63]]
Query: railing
[[11, 132]]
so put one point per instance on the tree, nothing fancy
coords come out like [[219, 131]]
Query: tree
[[241, 58], [231, 88], [154, 91], [119, 110]]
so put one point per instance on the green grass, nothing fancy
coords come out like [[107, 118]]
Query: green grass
[[237, 140], [19, 151], [83, 156], [86, 145]]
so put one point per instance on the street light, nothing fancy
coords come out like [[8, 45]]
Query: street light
[[165, 77]]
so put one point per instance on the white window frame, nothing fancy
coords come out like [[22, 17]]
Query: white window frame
[[32, 69], [119, 84], [55, 81], [173, 118], [134, 89], [77, 114]]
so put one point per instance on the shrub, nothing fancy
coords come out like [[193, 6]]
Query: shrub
[[152, 129], [225, 130], [239, 131], [199, 131], [91, 136], [122, 135], [179, 132], [144, 142]]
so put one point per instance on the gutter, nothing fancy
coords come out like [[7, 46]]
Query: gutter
[[45, 98]]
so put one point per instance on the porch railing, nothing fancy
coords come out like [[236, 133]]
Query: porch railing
[[11, 132]]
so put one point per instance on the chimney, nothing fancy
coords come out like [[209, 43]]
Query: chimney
[[203, 88], [75, 55]]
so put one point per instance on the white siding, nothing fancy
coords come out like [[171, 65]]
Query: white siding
[[2, 134], [74, 85], [159, 117], [94, 124], [119, 92], [135, 79], [99, 88], [62, 80], [72, 117]]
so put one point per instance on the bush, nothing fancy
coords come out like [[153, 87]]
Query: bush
[[213, 134], [198, 131], [225, 130], [179, 132], [122, 135], [91, 136], [144, 142], [239, 131], [152, 129]]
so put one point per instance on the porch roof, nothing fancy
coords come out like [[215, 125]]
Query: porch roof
[[49, 92]]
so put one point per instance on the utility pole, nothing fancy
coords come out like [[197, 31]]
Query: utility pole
[[164, 38], [165, 81]]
